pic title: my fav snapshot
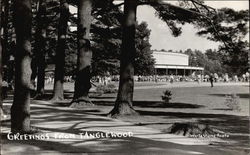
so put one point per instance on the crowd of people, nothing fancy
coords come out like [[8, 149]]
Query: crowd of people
[[212, 78], [178, 78], [165, 78]]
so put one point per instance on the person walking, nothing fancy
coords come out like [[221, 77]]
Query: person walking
[[171, 78], [211, 79]]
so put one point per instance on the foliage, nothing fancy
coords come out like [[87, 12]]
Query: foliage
[[106, 39], [144, 61], [232, 102], [211, 61], [227, 26], [167, 96], [231, 28], [106, 51]]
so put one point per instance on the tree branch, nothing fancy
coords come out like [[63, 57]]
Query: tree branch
[[202, 5], [118, 5], [160, 2]]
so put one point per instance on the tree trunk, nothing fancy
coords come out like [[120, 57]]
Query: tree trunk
[[1, 69], [39, 49], [5, 33], [60, 51], [20, 110], [5, 45], [123, 104], [83, 75]]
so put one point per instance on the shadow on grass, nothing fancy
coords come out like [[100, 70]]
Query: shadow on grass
[[70, 119], [102, 97], [237, 127], [151, 104], [242, 95], [68, 95], [48, 94], [225, 109], [104, 145], [182, 114], [155, 104]]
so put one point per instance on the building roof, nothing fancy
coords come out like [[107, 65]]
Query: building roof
[[170, 58]]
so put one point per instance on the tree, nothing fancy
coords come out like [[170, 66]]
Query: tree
[[1, 76], [6, 48], [231, 29], [106, 38], [212, 54], [210, 63], [107, 50], [123, 104], [144, 61], [84, 57], [40, 42], [5, 29], [60, 51], [165, 11], [20, 110]]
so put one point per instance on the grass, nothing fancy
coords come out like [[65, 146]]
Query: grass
[[203, 105]]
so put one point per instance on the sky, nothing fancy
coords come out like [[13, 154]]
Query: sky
[[161, 38]]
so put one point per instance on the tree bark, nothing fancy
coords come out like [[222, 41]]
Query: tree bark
[[5, 45], [1, 69], [123, 104], [40, 39], [83, 75], [20, 110], [60, 51]]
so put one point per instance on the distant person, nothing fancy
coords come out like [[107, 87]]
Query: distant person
[[226, 78], [244, 78], [247, 77], [211, 79], [216, 77], [198, 78], [4, 89], [206, 78], [171, 78], [236, 78]]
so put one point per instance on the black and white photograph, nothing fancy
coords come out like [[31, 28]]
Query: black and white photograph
[[167, 77]]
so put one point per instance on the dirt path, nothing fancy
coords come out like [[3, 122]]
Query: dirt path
[[64, 128]]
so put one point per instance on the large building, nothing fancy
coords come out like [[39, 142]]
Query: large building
[[167, 63]]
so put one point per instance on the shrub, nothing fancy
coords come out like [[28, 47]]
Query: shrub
[[232, 102], [106, 89], [167, 96]]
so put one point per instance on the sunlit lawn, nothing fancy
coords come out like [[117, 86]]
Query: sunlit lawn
[[204, 105]]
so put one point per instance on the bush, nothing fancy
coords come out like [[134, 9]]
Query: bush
[[232, 102], [167, 96], [106, 89]]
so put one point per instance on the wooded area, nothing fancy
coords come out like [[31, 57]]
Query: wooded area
[[107, 40]]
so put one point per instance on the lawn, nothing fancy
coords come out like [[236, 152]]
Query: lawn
[[204, 105], [201, 104]]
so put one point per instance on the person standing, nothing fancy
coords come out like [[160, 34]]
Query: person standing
[[171, 78], [244, 78], [211, 79], [247, 77], [198, 78], [216, 77]]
